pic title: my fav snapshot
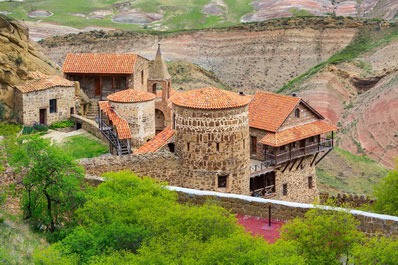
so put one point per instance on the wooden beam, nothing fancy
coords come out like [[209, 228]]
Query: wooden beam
[[320, 159], [294, 162], [313, 160], [287, 164], [301, 161]]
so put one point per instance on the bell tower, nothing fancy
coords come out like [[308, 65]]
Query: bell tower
[[159, 83]]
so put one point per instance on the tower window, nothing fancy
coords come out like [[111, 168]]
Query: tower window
[[310, 182], [222, 181], [297, 113], [218, 147], [171, 147], [188, 146], [142, 77], [284, 189]]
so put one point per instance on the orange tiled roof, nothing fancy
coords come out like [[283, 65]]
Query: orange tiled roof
[[297, 133], [42, 81], [100, 63], [268, 111], [209, 98], [156, 142], [131, 96], [121, 125]]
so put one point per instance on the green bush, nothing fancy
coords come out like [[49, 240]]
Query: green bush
[[62, 124], [386, 193], [34, 129]]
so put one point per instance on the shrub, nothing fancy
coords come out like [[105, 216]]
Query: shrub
[[62, 124], [2, 110], [386, 193], [34, 129]]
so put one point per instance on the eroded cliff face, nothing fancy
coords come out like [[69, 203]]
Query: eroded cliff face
[[247, 58], [362, 97], [18, 56]]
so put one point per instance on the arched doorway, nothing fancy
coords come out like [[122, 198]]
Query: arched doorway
[[159, 121]]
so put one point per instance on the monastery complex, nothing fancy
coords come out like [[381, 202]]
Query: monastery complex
[[264, 145]]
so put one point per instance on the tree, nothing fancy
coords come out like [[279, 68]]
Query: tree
[[323, 236], [386, 193], [376, 250], [51, 181]]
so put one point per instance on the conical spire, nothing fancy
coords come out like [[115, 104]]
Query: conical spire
[[159, 69]]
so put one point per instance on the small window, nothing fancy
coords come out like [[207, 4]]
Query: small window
[[218, 147], [142, 77], [297, 113], [53, 105], [310, 183], [171, 147], [284, 189], [72, 111], [188, 146], [222, 181], [174, 121]]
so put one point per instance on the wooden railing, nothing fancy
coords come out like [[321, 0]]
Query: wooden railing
[[273, 160], [265, 192]]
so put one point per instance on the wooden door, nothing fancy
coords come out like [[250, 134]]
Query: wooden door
[[97, 87], [43, 116]]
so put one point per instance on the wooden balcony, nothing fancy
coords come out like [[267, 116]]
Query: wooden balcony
[[323, 145], [266, 192]]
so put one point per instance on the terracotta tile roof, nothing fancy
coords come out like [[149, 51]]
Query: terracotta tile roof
[[297, 133], [131, 96], [156, 142], [41, 82], [121, 125], [268, 111], [159, 93], [100, 63], [209, 98]]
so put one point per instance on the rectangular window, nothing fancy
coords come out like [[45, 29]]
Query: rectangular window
[[188, 146], [72, 111], [53, 105], [284, 189], [142, 77], [218, 147], [253, 145], [222, 181], [310, 183]]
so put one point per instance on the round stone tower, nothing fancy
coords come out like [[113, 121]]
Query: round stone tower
[[138, 108], [212, 139]]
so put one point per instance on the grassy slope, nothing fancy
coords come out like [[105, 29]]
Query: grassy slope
[[177, 14], [83, 146], [342, 171]]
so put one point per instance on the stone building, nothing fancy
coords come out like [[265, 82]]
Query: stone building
[[44, 99], [212, 139], [102, 74], [287, 139], [138, 108]]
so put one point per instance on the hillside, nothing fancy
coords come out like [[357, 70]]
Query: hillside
[[177, 14], [18, 56]]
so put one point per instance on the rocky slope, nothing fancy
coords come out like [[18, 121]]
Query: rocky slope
[[18, 56], [249, 57]]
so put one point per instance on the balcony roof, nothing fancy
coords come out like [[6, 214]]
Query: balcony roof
[[297, 133]]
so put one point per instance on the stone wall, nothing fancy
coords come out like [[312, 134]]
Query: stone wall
[[370, 223], [34, 101], [140, 76], [342, 199], [296, 179], [90, 126], [213, 144], [163, 166], [141, 119]]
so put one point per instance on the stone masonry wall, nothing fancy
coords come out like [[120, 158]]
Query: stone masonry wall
[[90, 126], [137, 82], [213, 143], [297, 182], [163, 166], [34, 101], [370, 224], [141, 119]]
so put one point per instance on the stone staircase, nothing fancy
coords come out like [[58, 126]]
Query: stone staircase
[[92, 111]]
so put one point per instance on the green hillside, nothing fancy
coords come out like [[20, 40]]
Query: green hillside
[[160, 14]]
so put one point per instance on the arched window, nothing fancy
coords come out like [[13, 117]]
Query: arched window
[[297, 113]]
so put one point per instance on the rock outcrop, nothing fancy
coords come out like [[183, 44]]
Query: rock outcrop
[[18, 56]]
